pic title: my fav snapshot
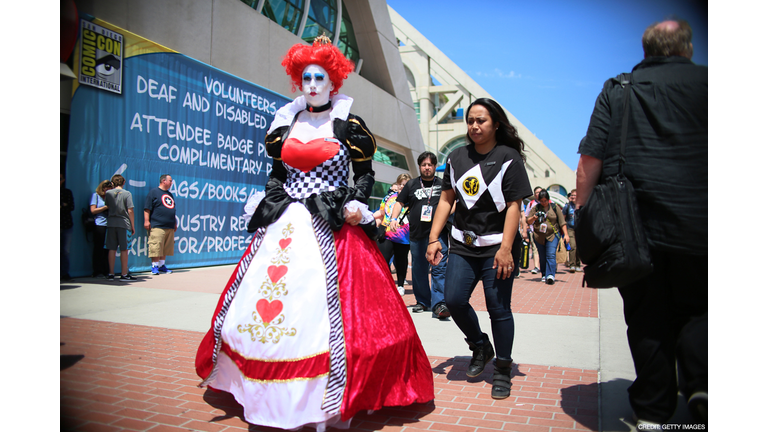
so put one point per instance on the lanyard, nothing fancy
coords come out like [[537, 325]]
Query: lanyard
[[431, 189]]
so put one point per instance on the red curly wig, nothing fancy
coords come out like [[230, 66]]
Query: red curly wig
[[325, 55]]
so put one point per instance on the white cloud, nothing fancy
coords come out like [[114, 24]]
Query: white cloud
[[498, 73]]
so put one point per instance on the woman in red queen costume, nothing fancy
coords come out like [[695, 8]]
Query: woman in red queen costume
[[310, 328]]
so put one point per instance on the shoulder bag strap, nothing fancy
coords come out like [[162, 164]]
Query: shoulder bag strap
[[626, 84]]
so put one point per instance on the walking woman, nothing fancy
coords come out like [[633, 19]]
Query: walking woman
[[99, 210], [395, 242], [548, 222], [487, 181]]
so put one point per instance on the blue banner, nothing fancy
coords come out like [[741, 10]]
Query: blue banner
[[176, 116]]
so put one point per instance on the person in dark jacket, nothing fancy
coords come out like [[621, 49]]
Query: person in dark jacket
[[66, 205], [666, 144]]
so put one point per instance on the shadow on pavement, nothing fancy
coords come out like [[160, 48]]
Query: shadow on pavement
[[68, 361], [580, 402], [225, 402], [105, 281], [616, 411], [362, 421]]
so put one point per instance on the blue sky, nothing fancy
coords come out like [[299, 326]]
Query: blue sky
[[546, 61]]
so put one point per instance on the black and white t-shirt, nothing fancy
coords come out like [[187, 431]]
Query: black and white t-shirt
[[417, 194], [483, 185]]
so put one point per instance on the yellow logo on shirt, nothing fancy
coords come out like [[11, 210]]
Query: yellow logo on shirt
[[471, 186]]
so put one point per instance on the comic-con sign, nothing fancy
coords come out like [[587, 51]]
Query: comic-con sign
[[101, 57], [173, 115]]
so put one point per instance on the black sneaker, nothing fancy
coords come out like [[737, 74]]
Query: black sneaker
[[419, 308], [481, 356], [441, 311], [128, 277], [111, 277]]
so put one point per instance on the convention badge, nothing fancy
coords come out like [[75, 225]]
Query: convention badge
[[543, 228], [426, 214]]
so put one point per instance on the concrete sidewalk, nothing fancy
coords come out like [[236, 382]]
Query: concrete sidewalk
[[128, 360]]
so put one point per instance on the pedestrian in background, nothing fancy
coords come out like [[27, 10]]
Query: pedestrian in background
[[534, 251], [66, 205], [160, 223], [666, 312], [487, 181], [573, 264], [120, 221], [395, 242], [548, 223], [99, 210], [421, 196]]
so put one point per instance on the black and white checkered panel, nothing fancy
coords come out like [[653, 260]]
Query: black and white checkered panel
[[327, 176]]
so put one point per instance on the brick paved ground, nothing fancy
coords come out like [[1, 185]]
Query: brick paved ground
[[126, 377]]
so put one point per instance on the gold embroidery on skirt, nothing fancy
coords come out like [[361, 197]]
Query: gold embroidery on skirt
[[267, 315]]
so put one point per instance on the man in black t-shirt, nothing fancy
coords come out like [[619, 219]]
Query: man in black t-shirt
[[160, 223], [666, 144], [421, 196]]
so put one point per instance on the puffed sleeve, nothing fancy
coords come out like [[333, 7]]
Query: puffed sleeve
[[360, 139], [362, 146], [274, 144]]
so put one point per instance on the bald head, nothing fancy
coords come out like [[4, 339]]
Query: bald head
[[667, 26], [668, 38]]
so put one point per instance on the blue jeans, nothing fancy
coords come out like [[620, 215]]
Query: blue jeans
[[547, 256], [463, 275], [420, 270], [65, 243]]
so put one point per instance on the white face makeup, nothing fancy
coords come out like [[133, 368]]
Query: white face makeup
[[316, 85]]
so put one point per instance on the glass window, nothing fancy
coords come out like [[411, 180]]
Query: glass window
[[558, 189], [380, 189], [374, 204], [377, 195], [390, 158], [347, 42], [449, 147], [287, 13], [321, 20]]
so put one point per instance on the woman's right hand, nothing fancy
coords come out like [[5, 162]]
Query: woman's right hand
[[434, 254], [394, 224]]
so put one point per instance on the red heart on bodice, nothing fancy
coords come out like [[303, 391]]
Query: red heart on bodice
[[284, 243], [276, 272], [305, 156], [268, 310]]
